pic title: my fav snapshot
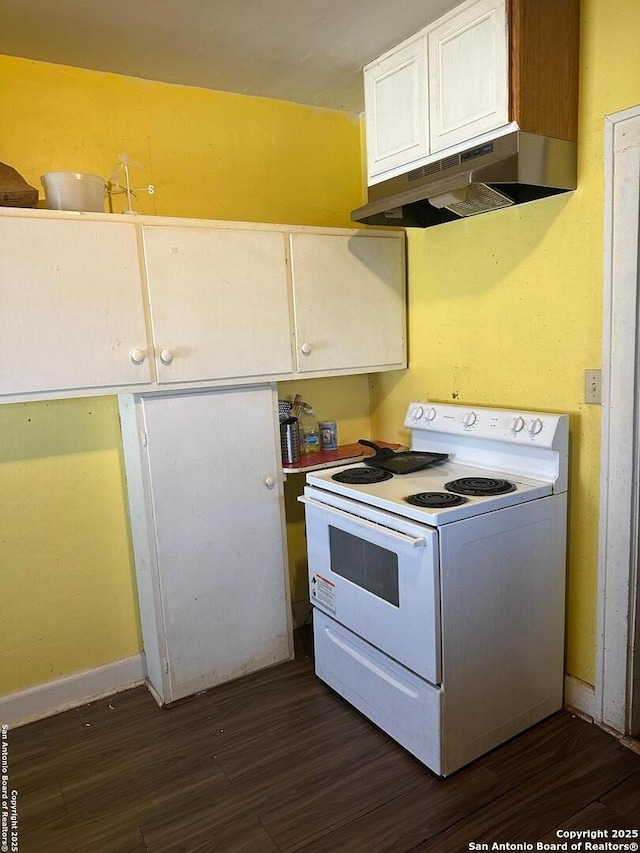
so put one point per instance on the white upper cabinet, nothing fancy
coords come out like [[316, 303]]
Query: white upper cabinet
[[72, 309], [219, 303], [446, 85], [396, 106], [349, 301], [468, 73], [105, 305]]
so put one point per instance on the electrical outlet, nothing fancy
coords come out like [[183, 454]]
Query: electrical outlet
[[593, 386]]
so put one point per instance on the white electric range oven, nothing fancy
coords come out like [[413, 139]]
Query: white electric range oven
[[438, 595]]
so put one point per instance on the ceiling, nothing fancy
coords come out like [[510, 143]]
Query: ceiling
[[307, 51]]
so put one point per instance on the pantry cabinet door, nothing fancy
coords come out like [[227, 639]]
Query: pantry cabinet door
[[72, 306], [468, 73], [395, 90], [219, 303], [349, 301], [217, 504]]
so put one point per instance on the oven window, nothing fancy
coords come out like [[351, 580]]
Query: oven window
[[369, 566]]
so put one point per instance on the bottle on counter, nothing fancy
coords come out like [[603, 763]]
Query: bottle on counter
[[309, 431]]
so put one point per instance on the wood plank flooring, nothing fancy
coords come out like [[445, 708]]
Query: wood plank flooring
[[278, 762]]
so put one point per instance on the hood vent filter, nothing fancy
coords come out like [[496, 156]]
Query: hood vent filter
[[470, 200]]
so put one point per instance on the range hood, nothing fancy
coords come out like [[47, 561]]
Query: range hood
[[511, 169]]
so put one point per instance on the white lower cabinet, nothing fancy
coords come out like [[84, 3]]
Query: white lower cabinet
[[206, 504]]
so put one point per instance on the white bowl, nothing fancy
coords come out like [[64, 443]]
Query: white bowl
[[74, 191]]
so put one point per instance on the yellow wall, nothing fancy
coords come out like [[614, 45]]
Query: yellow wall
[[209, 154], [65, 563], [505, 309], [66, 570]]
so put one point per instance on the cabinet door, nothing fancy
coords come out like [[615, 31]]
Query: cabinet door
[[395, 91], [468, 73], [72, 310], [219, 304], [213, 464], [349, 301]]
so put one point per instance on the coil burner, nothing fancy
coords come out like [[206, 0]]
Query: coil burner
[[435, 500], [479, 486], [362, 476]]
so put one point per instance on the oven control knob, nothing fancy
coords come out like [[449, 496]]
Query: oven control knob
[[536, 426], [418, 412], [517, 425], [469, 419], [431, 413]]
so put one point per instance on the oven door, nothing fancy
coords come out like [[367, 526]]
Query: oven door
[[377, 574]]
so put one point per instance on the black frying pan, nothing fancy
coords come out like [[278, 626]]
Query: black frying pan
[[403, 462]]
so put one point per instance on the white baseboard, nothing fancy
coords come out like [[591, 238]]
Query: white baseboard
[[43, 700], [579, 696]]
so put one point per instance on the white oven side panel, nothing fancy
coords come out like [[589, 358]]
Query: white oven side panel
[[503, 594], [382, 584], [401, 704]]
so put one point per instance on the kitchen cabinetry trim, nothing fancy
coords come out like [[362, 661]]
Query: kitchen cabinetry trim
[[147, 348]]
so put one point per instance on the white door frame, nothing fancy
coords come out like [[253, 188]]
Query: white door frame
[[619, 473]]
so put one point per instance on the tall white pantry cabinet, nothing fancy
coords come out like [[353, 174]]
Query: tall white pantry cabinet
[[207, 518]]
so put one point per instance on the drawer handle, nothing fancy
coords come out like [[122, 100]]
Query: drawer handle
[[411, 541], [370, 665]]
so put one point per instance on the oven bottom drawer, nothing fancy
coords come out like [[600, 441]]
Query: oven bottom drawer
[[404, 706]]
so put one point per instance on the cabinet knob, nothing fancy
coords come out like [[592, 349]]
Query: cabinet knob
[[166, 356], [305, 349], [270, 482], [138, 356]]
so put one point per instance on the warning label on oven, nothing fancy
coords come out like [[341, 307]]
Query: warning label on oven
[[324, 592]]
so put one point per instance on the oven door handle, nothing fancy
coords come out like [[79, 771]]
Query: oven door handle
[[412, 541]]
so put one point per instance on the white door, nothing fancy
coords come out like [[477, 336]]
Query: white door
[[395, 94], [213, 461], [349, 301], [219, 303], [72, 308], [468, 73]]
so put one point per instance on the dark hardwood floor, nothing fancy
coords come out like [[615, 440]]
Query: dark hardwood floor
[[277, 762]]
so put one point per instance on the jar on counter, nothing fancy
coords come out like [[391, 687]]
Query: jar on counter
[[328, 435], [309, 432]]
